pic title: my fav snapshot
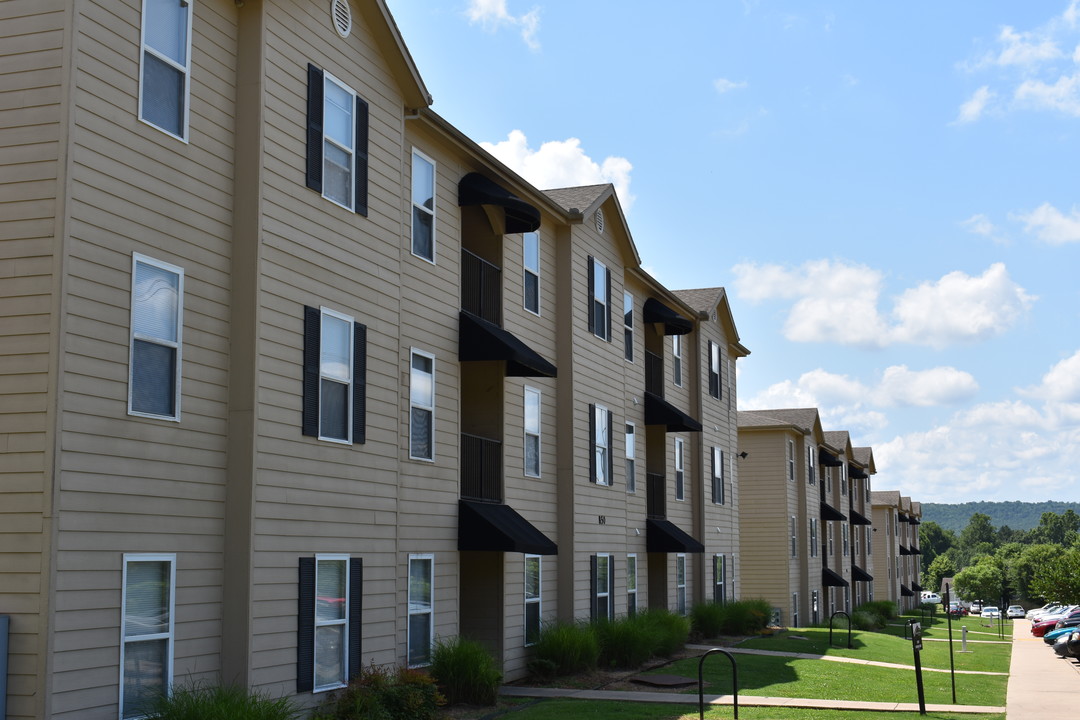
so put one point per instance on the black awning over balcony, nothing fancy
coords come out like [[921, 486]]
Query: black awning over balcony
[[916, 587], [860, 575], [660, 412], [655, 311], [902, 517], [830, 578], [828, 512], [915, 551], [827, 459], [904, 550], [914, 521], [663, 536], [492, 527], [856, 472], [904, 592], [858, 518], [521, 217], [479, 339]]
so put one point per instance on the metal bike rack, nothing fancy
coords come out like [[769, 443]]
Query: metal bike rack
[[701, 681]]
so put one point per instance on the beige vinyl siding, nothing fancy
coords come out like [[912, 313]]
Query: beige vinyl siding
[[31, 136]]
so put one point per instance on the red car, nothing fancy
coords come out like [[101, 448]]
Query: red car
[[1040, 629]]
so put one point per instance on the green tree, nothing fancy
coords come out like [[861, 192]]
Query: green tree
[[933, 541], [942, 567], [982, 581], [978, 530], [1059, 579], [1022, 569], [1061, 529]]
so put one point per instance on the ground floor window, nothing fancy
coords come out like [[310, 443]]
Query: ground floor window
[[815, 612], [680, 584], [794, 609], [631, 585], [146, 650], [532, 599], [421, 630], [603, 588], [719, 579]]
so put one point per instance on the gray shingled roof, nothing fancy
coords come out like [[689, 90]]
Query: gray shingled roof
[[580, 198], [863, 455], [837, 438], [916, 508], [801, 418], [885, 497], [701, 299]]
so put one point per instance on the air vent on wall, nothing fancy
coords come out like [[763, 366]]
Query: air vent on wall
[[599, 220], [342, 16]]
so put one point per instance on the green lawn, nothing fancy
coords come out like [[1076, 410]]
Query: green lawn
[[604, 710]]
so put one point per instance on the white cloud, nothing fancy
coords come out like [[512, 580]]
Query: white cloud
[[1051, 225], [562, 163], [979, 224], [973, 109], [1063, 95], [493, 14], [838, 303], [1060, 383], [924, 388], [1026, 48], [724, 85]]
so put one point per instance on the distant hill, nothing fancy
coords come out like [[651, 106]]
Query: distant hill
[[1017, 515]]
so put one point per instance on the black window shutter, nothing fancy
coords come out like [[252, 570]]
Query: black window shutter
[[721, 477], [720, 376], [611, 448], [608, 308], [356, 608], [592, 443], [314, 128], [611, 587], [716, 570], [312, 332], [714, 475], [359, 408], [592, 588], [589, 295], [361, 157], [305, 627]]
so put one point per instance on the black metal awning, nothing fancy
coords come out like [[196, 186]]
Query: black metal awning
[[476, 189], [915, 551], [495, 527], [916, 587], [479, 339], [828, 512], [914, 520], [659, 411], [830, 578], [904, 550], [856, 472], [663, 536], [858, 518], [860, 575], [902, 517], [655, 311], [904, 592], [827, 459]]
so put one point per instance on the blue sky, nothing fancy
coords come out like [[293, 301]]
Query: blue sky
[[890, 192]]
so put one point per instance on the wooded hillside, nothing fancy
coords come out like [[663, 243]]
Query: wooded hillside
[[1015, 514]]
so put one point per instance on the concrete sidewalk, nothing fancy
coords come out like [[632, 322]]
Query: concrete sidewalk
[[1041, 684], [840, 659]]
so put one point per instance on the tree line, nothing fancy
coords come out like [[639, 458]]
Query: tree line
[[1016, 514]]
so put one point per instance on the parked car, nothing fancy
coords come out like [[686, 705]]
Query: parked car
[[976, 607], [957, 610], [1014, 611], [991, 611], [1048, 607], [1040, 629], [930, 597], [1056, 614], [1062, 627]]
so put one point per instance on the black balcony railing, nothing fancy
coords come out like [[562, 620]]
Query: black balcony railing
[[481, 468], [481, 287], [654, 373], [655, 496]]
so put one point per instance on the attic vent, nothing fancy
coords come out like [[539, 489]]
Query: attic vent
[[599, 220], [342, 15]]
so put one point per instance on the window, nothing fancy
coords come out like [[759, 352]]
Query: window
[[146, 648], [599, 300], [532, 432], [676, 359], [631, 453], [335, 376], [328, 623], [811, 477], [423, 206], [631, 585], [530, 251], [422, 406], [866, 537], [813, 538], [157, 325], [603, 588], [680, 584], [600, 459], [843, 480], [421, 629], [845, 542], [166, 65], [790, 458], [628, 326], [337, 142], [532, 599], [714, 370], [794, 536], [815, 611], [719, 579], [794, 609], [718, 476], [829, 535], [680, 475]]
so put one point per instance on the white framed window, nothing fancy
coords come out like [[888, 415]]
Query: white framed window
[[530, 272], [628, 326], [826, 479], [631, 584], [601, 445], [156, 338], [714, 370], [811, 473], [532, 432], [676, 359], [331, 621], [339, 142], [794, 538], [147, 632], [718, 476], [631, 458], [604, 582], [423, 206], [869, 544], [680, 474], [843, 480], [720, 578], [532, 599], [165, 88], [789, 457], [335, 376], [845, 543], [421, 630], [794, 609], [813, 538], [600, 295], [680, 584], [421, 405], [829, 536]]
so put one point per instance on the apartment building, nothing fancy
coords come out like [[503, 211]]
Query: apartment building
[[298, 378], [896, 550]]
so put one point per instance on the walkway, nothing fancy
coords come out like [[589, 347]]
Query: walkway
[[837, 658], [1041, 684]]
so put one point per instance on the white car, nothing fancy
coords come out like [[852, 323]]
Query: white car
[[930, 597], [991, 611], [1014, 611]]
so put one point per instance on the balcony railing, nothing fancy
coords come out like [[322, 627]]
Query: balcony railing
[[481, 468], [654, 373], [481, 287], [655, 496]]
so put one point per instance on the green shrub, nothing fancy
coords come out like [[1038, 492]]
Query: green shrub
[[208, 701], [707, 619], [465, 672], [743, 617], [883, 610], [569, 647], [380, 693], [671, 630], [626, 642], [862, 620]]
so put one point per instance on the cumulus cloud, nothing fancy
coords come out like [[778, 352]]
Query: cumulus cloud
[[1051, 225], [839, 303], [1061, 383], [973, 109], [1026, 48], [562, 163], [1063, 95], [724, 85], [493, 15], [980, 225]]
